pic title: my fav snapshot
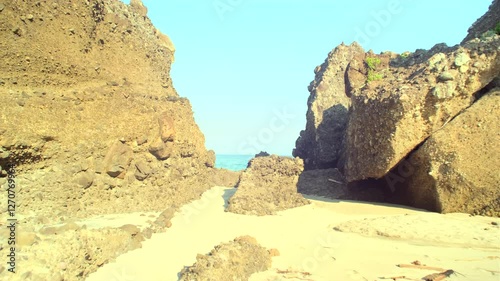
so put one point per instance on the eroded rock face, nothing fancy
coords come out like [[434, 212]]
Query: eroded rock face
[[396, 103], [236, 260], [455, 170], [487, 22], [394, 107], [321, 143], [92, 122], [393, 115], [268, 185], [96, 113]]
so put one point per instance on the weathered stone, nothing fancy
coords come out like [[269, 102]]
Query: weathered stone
[[320, 145], [71, 113], [143, 170], [445, 76], [118, 160], [444, 90], [167, 129], [455, 170], [85, 179], [160, 149], [210, 162], [142, 140], [383, 129], [268, 185], [236, 260]]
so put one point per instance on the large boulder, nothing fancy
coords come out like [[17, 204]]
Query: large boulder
[[456, 169], [268, 185], [413, 98], [393, 105], [117, 160], [321, 143]]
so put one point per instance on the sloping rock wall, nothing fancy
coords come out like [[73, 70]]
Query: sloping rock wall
[[485, 23], [90, 117]]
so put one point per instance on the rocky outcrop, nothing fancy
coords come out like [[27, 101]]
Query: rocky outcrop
[[91, 120], [320, 145], [236, 260], [74, 116], [268, 185], [487, 22], [395, 106], [455, 169], [412, 99]]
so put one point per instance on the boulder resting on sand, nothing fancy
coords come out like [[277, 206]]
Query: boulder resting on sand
[[268, 185], [452, 171]]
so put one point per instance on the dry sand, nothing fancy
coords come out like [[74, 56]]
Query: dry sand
[[326, 240]]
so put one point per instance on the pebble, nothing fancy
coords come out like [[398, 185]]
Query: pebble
[[16, 31], [2, 7], [445, 76]]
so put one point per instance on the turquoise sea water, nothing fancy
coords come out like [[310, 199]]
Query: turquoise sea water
[[232, 162]]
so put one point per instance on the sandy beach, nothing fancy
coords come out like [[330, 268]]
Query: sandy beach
[[326, 240]]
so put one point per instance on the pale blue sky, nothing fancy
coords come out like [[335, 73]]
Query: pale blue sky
[[245, 64]]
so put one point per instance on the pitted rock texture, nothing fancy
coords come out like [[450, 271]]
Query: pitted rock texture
[[90, 118], [320, 145], [394, 104], [390, 117], [236, 260], [268, 185], [452, 171]]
